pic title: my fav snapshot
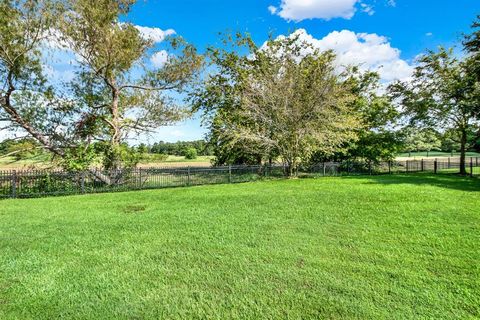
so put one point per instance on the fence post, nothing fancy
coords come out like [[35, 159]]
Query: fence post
[[369, 167], [324, 169], [14, 183], [422, 165], [389, 167], [188, 178], [139, 180], [471, 167], [449, 166], [435, 166], [229, 173]]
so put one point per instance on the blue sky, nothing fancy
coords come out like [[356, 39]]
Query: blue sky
[[405, 28], [404, 22], [383, 35]]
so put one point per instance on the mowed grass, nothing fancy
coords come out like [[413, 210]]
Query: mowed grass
[[394, 247]]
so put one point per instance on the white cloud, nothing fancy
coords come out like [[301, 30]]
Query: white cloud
[[159, 58], [368, 50], [298, 10], [367, 9], [272, 9], [429, 34], [392, 3], [155, 34]]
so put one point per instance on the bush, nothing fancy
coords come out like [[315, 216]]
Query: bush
[[191, 153]]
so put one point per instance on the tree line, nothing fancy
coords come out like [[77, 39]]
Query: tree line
[[284, 100]]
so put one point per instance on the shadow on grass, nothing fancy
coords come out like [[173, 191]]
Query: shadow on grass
[[448, 181]]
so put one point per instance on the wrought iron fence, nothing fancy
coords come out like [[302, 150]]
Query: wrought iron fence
[[39, 183]]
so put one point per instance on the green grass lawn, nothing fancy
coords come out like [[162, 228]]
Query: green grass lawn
[[392, 247]]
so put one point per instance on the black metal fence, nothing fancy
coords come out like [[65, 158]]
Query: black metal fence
[[39, 183]]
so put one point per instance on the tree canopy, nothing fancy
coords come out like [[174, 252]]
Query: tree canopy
[[441, 94], [277, 100]]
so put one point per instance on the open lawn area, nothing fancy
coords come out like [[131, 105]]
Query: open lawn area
[[330, 248]]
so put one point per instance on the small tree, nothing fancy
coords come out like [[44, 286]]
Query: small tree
[[190, 154]]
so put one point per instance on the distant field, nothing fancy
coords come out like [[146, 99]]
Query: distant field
[[11, 164], [433, 154], [382, 247], [171, 161]]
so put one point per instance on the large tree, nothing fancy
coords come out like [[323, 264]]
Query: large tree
[[441, 94], [116, 84], [115, 91], [283, 98]]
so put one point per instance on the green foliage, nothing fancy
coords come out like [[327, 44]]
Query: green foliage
[[276, 100], [417, 140], [142, 149], [27, 102], [472, 41], [377, 141], [443, 93], [401, 246], [109, 53], [178, 148], [190, 153], [79, 158], [123, 154]]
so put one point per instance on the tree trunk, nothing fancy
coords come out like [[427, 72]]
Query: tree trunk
[[463, 149], [115, 161]]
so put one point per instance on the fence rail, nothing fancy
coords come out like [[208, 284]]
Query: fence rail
[[39, 183]]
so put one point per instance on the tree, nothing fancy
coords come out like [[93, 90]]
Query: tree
[[440, 94], [27, 103], [142, 149], [190, 153], [121, 93], [283, 98], [422, 140], [471, 45]]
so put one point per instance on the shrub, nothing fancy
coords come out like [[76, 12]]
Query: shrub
[[191, 153]]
